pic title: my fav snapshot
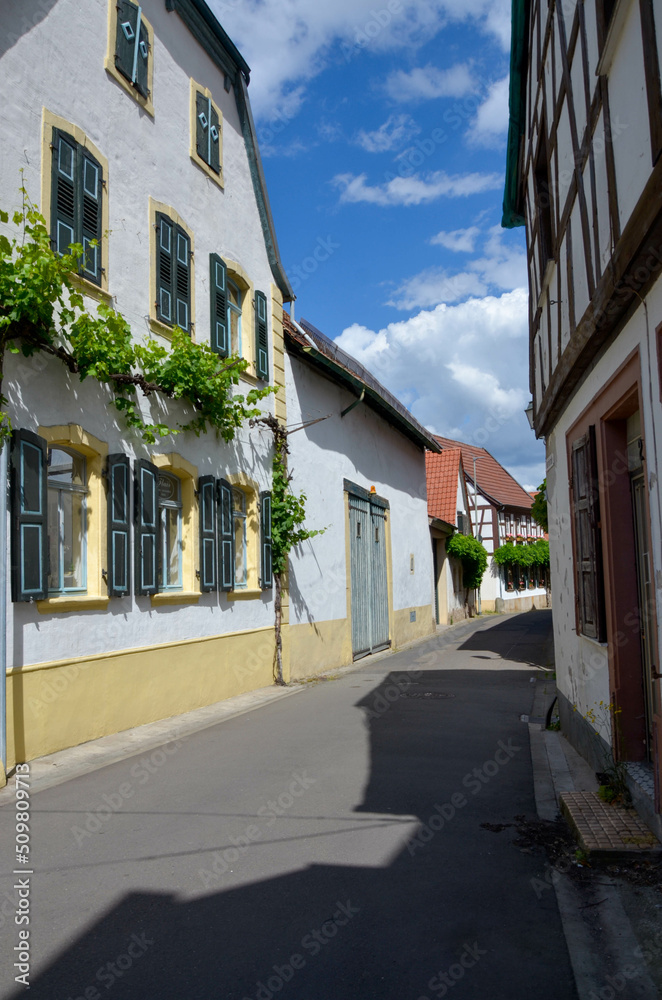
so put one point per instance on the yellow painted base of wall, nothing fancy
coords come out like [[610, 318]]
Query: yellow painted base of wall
[[518, 604], [319, 646], [52, 706], [403, 630]]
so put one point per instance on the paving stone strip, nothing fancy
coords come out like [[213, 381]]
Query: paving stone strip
[[607, 829]]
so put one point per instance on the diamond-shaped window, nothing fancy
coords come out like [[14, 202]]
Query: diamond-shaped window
[[127, 28], [202, 118], [214, 133], [143, 49]]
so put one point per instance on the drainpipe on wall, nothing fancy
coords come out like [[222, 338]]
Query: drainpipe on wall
[[4, 451]]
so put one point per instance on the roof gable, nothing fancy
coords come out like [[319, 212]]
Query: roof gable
[[494, 482]]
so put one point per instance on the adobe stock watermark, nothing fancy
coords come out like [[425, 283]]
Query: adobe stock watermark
[[442, 982], [474, 781], [268, 813], [115, 801], [366, 34], [323, 249], [110, 972], [311, 943]]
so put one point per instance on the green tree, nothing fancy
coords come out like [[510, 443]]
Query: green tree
[[473, 556], [539, 506]]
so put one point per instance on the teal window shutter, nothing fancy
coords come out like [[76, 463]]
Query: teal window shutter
[[146, 540], [202, 125], [182, 288], [225, 535], [218, 338], [132, 45], [63, 193], [91, 188], [214, 140], [265, 535], [261, 338], [118, 478], [29, 517], [164, 269], [208, 534]]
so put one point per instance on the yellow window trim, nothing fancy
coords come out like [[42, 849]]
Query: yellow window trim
[[251, 490], [155, 324], [216, 178], [49, 121], [109, 62], [188, 476], [239, 275], [95, 451]]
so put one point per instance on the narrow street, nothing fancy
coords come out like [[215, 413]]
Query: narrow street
[[337, 843]]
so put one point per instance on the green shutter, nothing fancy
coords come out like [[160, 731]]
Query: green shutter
[[265, 535], [126, 38], [208, 534], [218, 336], [165, 239], [142, 61], [182, 287], [588, 548], [202, 124], [63, 191], [29, 517], [146, 515], [261, 338], [118, 577], [90, 184], [225, 535], [214, 140]]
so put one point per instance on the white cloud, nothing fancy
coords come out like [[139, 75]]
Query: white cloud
[[436, 285], [490, 126], [414, 190], [463, 371], [289, 42], [396, 130], [424, 83], [460, 240]]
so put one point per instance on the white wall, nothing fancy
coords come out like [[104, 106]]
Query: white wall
[[365, 449]]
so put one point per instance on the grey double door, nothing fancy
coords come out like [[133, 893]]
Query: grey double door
[[369, 580]]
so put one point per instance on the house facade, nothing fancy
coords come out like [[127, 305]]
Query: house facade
[[140, 582], [448, 513], [500, 511], [364, 584], [584, 175]]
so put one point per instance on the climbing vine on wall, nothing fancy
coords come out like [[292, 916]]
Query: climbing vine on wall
[[532, 554], [473, 557], [42, 310]]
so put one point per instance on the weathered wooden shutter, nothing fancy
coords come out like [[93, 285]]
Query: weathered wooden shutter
[[261, 338], [91, 189], [126, 38], [225, 535], [214, 140], [265, 536], [588, 554], [146, 516], [63, 191], [165, 237], [218, 337], [132, 45], [208, 534], [182, 279], [29, 517], [119, 525], [202, 125]]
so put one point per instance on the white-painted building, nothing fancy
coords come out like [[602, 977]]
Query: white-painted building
[[448, 513], [500, 511], [584, 174]]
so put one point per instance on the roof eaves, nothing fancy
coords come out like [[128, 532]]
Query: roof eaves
[[513, 196], [206, 29]]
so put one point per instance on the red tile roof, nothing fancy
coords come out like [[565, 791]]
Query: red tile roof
[[442, 472], [493, 479]]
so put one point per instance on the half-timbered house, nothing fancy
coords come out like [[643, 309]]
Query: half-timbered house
[[448, 512], [584, 174]]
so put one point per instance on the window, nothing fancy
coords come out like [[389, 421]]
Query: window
[[261, 337], [67, 521], [239, 531], [170, 528], [76, 202], [234, 317], [129, 58], [587, 539], [206, 133], [172, 271]]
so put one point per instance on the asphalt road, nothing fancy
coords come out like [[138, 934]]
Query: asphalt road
[[327, 846]]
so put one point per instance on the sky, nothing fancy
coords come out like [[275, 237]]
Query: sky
[[382, 126]]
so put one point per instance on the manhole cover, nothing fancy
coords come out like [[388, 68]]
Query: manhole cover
[[426, 694]]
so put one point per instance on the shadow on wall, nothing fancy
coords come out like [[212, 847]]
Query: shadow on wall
[[24, 17], [338, 930]]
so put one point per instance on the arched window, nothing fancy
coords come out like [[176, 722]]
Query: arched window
[[235, 301], [67, 519], [240, 538], [170, 526]]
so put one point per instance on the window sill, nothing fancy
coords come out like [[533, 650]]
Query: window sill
[[163, 330], [243, 595], [144, 102], [87, 287], [73, 602], [175, 597], [206, 169]]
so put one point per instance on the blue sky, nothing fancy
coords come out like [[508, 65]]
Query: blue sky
[[382, 126]]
